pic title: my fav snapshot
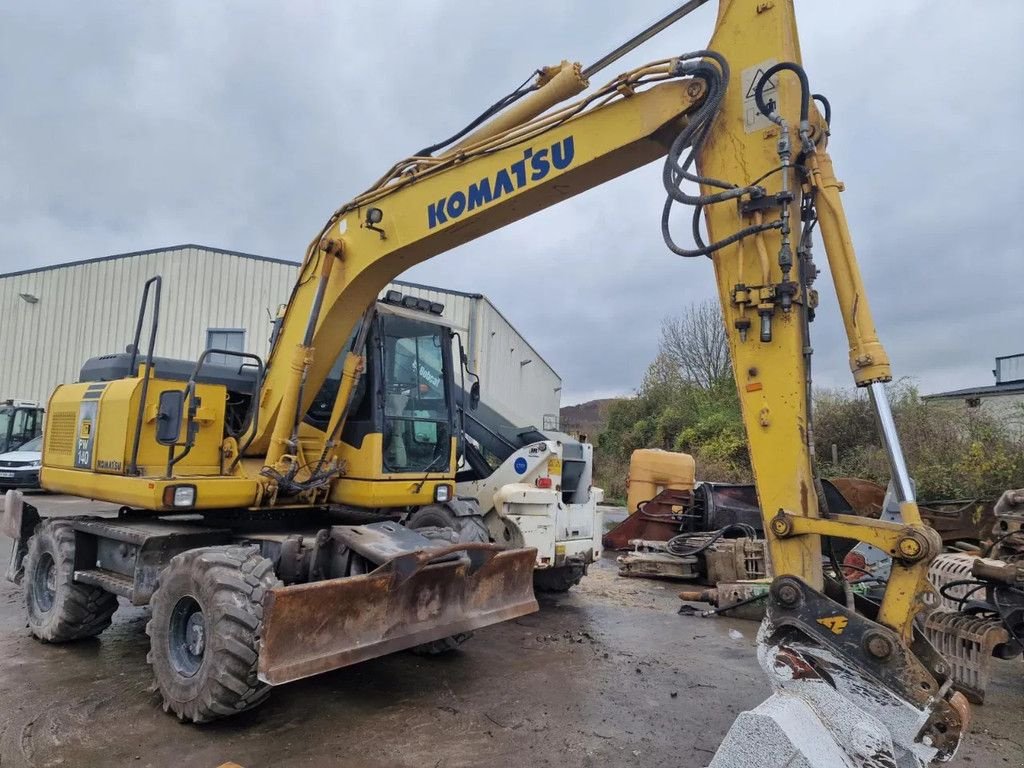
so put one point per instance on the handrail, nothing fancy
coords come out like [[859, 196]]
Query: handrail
[[133, 466], [251, 416], [487, 429]]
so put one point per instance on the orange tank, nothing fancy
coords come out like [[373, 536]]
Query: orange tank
[[652, 470]]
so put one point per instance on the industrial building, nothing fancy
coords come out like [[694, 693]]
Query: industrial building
[[1003, 400], [56, 317]]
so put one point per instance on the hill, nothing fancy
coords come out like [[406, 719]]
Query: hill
[[587, 418]]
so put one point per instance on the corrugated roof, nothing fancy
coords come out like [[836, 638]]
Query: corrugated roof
[[1010, 388], [224, 251]]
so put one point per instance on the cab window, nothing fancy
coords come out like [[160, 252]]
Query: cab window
[[417, 424]]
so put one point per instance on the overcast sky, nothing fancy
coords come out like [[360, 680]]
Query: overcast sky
[[134, 125]]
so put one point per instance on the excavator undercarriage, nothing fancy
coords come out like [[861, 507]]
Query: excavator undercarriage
[[338, 594]]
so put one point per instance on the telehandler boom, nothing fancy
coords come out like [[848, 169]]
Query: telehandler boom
[[744, 148]]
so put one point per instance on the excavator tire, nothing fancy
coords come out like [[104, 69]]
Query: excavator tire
[[560, 579], [438, 522], [468, 528], [59, 610], [205, 631]]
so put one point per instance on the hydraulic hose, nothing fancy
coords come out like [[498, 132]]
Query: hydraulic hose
[[675, 170], [826, 105], [805, 91], [707, 250]]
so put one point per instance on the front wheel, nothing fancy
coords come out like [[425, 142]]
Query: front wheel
[[205, 631], [440, 523], [560, 579]]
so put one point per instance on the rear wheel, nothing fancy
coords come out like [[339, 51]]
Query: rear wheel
[[205, 631], [467, 528], [560, 579], [59, 610], [440, 523]]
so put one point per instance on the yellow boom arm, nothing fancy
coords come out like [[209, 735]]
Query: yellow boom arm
[[753, 126]]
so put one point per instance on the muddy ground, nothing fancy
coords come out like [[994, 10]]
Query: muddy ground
[[606, 675]]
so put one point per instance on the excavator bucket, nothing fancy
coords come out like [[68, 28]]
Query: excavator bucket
[[412, 599]]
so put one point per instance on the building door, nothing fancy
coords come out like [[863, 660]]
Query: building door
[[232, 339]]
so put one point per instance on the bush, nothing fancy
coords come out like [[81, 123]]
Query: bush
[[952, 452]]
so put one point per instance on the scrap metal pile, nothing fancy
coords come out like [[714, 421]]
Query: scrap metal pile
[[711, 534], [976, 613]]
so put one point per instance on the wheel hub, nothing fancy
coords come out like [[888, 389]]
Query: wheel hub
[[186, 637], [44, 591], [196, 634]]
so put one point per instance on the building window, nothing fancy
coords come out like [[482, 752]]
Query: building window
[[232, 339]]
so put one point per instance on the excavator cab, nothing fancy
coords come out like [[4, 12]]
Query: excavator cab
[[415, 363], [20, 421], [406, 395]]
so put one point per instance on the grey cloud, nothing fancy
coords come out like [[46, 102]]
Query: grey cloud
[[138, 125]]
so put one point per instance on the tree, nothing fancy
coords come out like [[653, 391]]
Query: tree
[[694, 342], [662, 375]]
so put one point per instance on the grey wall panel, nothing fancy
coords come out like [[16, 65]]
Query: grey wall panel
[[89, 308]]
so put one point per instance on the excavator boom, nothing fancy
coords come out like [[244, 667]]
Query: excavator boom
[[739, 121]]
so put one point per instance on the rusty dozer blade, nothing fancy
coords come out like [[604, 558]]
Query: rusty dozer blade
[[412, 599]]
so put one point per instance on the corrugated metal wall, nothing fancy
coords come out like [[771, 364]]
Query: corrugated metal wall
[[1009, 368], [90, 308], [515, 380]]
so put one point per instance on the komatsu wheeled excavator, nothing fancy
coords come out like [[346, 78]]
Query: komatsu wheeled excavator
[[290, 516]]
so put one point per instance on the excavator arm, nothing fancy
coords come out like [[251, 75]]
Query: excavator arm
[[745, 152]]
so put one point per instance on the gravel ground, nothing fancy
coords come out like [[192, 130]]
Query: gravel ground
[[606, 675]]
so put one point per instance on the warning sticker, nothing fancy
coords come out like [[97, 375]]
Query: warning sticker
[[753, 120], [835, 623]]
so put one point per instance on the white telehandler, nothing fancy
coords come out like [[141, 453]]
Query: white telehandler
[[535, 489]]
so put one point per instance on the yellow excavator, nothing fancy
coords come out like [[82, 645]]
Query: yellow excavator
[[292, 516]]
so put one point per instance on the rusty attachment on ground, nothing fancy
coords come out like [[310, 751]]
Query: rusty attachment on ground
[[659, 519], [970, 643]]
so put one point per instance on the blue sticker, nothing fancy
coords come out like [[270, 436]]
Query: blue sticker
[[520, 465]]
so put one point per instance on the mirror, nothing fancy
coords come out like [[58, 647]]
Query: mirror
[[168, 416], [474, 396]]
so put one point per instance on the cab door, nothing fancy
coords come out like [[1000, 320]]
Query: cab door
[[22, 425]]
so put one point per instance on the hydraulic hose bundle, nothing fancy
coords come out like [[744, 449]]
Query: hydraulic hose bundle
[[689, 141]]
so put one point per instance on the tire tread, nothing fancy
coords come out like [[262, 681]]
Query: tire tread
[[82, 610], [240, 576]]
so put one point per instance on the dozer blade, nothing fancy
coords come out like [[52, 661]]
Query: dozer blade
[[412, 599]]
